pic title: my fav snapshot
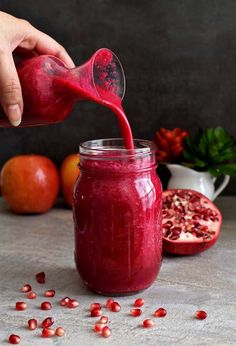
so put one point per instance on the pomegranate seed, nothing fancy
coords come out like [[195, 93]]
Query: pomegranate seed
[[14, 339], [95, 306], [148, 323], [26, 288], [115, 307], [48, 332], [32, 324], [98, 327], [46, 306], [176, 230], [31, 295], [106, 332], [174, 237], [109, 302], [161, 312], [200, 315], [96, 312], [135, 312], [47, 322], [20, 306], [167, 233], [40, 277], [103, 320], [60, 331], [72, 303], [139, 302], [49, 293], [64, 301]]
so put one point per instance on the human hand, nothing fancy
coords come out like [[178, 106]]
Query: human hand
[[18, 33]]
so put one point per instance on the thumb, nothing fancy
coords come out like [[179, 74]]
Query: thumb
[[10, 88]]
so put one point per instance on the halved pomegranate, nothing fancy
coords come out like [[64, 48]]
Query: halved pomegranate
[[191, 222]]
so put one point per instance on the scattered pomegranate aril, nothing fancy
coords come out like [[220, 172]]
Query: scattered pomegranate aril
[[103, 320], [47, 322], [32, 324], [14, 339], [96, 312], [60, 331], [48, 332], [40, 277], [46, 306], [148, 323], [139, 302], [98, 327], [115, 307], [135, 312], [106, 332], [161, 312], [31, 295], [191, 222], [20, 306], [26, 288], [95, 306], [64, 301], [200, 315], [72, 303], [109, 302], [49, 293]]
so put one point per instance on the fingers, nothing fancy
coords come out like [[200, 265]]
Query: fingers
[[47, 45], [44, 44], [10, 88]]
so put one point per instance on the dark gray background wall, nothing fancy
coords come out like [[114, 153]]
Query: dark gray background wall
[[179, 58]]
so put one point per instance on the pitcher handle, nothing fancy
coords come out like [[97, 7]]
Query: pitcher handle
[[221, 187]]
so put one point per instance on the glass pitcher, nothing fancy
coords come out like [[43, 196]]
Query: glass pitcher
[[50, 89]]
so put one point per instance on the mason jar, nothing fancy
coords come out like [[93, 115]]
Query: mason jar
[[117, 206]]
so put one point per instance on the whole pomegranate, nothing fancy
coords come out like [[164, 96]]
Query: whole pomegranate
[[29, 183], [191, 222], [69, 172]]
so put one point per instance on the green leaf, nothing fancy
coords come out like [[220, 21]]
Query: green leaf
[[200, 163], [202, 146], [189, 145], [222, 137], [224, 156], [210, 135], [227, 168], [188, 155], [215, 172]]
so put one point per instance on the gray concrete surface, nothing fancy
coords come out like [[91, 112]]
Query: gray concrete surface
[[29, 244]]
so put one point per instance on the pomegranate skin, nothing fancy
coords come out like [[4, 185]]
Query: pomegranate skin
[[186, 248], [197, 245]]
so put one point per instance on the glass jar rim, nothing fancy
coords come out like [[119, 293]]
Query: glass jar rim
[[114, 148]]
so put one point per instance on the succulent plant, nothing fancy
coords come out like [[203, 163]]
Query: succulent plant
[[211, 150]]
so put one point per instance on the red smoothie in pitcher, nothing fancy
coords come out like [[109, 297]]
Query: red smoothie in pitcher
[[50, 90]]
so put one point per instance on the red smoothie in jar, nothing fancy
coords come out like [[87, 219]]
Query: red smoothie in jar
[[117, 214]]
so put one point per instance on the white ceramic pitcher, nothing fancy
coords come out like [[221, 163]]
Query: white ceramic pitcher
[[186, 178]]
